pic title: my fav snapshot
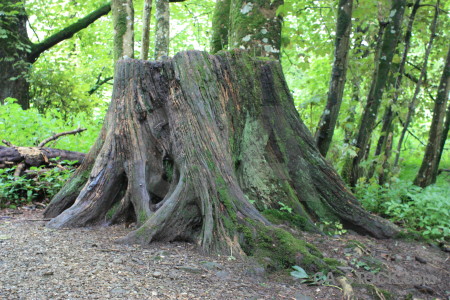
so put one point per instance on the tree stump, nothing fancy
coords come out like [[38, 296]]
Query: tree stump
[[197, 148]]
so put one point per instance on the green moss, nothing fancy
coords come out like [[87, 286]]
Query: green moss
[[225, 198], [142, 218], [112, 211], [76, 184], [278, 249], [276, 216]]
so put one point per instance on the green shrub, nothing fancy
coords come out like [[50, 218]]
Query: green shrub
[[37, 186], [425, 210]]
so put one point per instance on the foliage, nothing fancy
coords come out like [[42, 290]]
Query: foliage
[[426, 210], [40, 185], [27, 128]]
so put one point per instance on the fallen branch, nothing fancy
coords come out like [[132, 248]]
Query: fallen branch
[[37, 156]]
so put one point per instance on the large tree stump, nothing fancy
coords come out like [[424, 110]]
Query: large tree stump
[[190, 143]]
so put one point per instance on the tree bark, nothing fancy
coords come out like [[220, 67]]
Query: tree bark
[[162, 36], [383, 65], [327, 123], [428, 170], [220, 26], [256, 27], [123, 22], [188, 144], [444, 133], [423, 71], [146, 29]]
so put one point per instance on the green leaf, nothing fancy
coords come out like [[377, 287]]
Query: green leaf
[[299, 273]]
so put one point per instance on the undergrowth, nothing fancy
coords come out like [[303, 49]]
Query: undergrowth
[[424, 210], [38, 185]]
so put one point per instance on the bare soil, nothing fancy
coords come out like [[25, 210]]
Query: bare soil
[[41, 263]]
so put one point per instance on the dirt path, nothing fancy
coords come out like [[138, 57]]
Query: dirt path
[[40, 263]]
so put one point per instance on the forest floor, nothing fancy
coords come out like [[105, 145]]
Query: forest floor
[[41, 263]]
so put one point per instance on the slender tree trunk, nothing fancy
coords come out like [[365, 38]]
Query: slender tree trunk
[[187, 144], [389, 115], [383, 65], [146, 29], [444, 133], [220, 26], [430, 163], [162, 36], [413, 103], [123, 22], [247, 16], [327, 123]]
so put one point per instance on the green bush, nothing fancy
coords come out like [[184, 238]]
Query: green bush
[[425, 210], [39, 185]]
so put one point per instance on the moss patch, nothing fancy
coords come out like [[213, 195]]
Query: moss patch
[[277, 249], [278, 217]]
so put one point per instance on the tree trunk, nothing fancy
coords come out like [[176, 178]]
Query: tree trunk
[[444, 133], [325, 131], [162, 36], [190, 142], [383, 65], [423, 72], [256, 27], [220, 26], [430, 163], [384, 143], [123, 22], [14, 48], [146, 29]]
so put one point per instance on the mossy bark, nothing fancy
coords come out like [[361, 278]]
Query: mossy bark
[[189, 143], [123, 22], [255, 26], [145, 40], [162, 36]]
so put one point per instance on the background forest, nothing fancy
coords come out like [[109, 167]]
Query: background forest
[[71, 85]]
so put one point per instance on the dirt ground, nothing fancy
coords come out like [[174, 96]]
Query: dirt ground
[[41, 263]]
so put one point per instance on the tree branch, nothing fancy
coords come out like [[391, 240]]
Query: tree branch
[[68, 32], [56, 136], [99, 84]]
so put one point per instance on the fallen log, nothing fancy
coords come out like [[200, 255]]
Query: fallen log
[[35, 156]]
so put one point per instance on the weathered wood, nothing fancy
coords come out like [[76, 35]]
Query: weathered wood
[[35, 156], [190, 143]]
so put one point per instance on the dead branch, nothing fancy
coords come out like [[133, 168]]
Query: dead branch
[[58, 135]]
